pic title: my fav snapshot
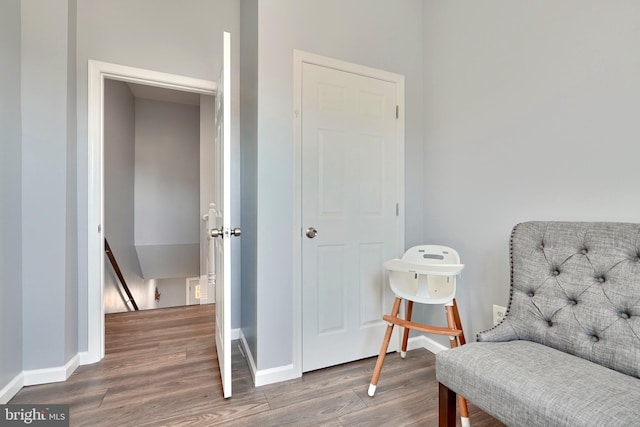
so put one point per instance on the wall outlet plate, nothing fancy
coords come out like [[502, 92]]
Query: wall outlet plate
[[498, 313]]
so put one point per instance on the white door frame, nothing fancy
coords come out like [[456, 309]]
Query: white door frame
[[300, 57], [98, 72]]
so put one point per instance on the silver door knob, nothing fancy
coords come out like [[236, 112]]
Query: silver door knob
[[236, 232], [311, 232], [216, 232]]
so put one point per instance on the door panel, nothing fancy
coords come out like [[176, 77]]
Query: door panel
[[331, 292], [220, 219], [371, 283], [332, 173], [371, 189], [349, 194]]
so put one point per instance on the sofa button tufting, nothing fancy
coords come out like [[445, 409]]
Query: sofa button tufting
[[541, 246], [573, 302], [584, 251], [550, 323], [600, 279], [595, 338], [624, 315], [556, 272], [530, 294]]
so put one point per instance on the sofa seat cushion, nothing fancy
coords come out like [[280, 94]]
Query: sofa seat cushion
[[523, 383]]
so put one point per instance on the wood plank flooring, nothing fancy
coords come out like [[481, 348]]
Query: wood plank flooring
[[160, 369]]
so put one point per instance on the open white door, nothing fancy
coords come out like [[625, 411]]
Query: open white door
[[219, 221]]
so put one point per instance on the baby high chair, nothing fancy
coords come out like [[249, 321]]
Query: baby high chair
[[426, 274]]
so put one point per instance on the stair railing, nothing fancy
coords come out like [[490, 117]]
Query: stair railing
[[116, 268]]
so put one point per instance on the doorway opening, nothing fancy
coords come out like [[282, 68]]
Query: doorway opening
[[158, 175], [99, 73]]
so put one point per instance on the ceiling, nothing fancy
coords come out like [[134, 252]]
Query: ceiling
[[166, 95]]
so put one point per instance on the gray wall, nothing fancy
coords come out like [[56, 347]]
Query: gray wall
[[373, 33], [71, 288], [531, 112], [167, 173], [48, 207], [10, 194], [167, 189], [172, 292], [249, 148], [119, 179], [179, 39]]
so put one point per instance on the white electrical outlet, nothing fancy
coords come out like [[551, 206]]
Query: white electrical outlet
[[498, 313]]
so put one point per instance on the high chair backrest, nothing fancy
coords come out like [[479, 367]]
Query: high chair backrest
[[436, 287]]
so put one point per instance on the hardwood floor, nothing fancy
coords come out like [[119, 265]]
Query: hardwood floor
[[160, 369]]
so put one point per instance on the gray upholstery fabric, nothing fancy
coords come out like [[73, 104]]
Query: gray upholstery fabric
[[575, 287], [523, 383]]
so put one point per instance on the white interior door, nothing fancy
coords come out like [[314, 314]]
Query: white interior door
[[219, 219], [350, 218]]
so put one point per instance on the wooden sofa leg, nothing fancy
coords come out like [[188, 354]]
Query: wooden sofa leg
[[446, 406]]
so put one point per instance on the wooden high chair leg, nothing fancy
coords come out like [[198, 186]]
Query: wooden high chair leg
[[383, 349], [405, 337], [453, 322], [456, 318]]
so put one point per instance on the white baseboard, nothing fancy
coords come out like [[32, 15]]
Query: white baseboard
[[274, 375], [51, 375], [266, 376], [84, 358], [71, 366], [248, 356], [11, 389], [235, 334], [260, 377], [285, 373], [427, 343]]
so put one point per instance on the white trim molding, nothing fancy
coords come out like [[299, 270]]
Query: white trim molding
[[266, 376], [84, 357], [10, 390], [51, 375], [98, 72], [274, 375], [236, 334], [39, 376], [423, 341]]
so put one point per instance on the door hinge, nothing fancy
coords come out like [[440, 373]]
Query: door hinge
[[397, 209], [397, 111]]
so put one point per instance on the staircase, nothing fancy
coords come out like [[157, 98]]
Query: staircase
[[116, 268]]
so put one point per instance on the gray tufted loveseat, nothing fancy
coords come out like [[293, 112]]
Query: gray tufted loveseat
[[568, 351]]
